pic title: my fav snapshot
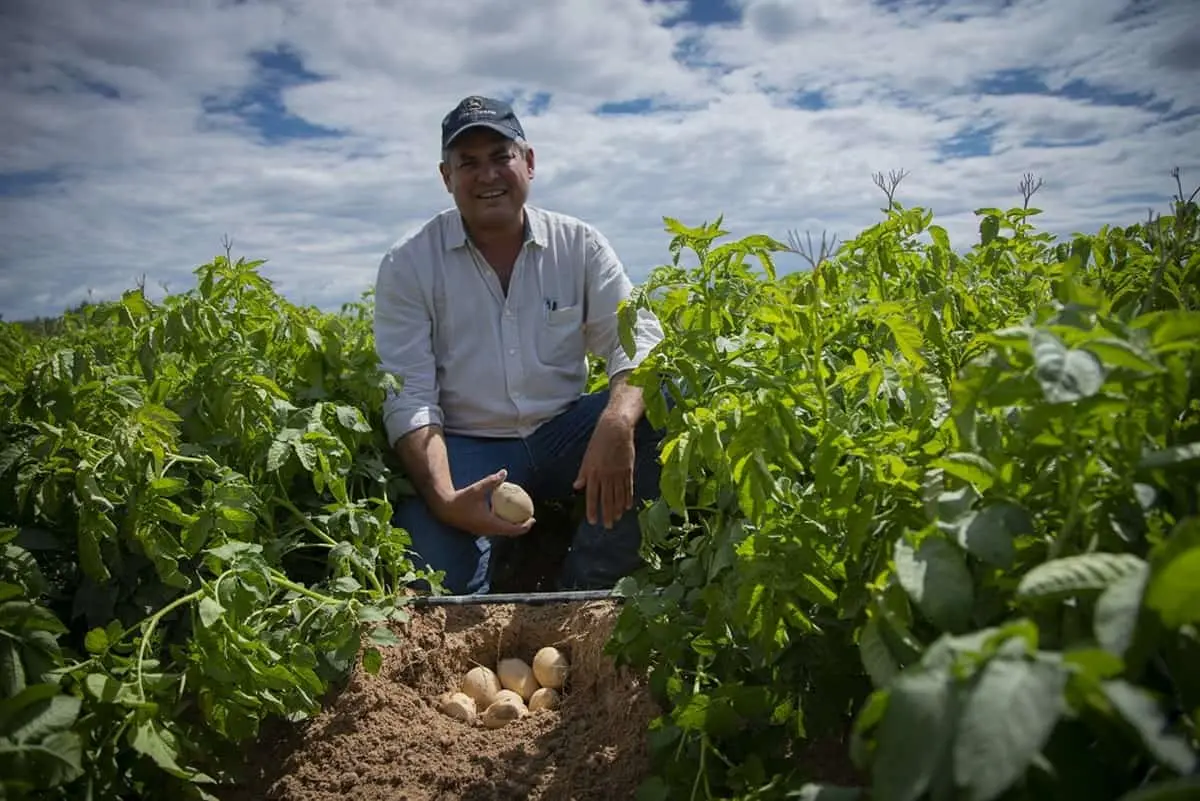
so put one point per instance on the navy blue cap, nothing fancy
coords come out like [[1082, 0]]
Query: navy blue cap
[[475, 111]]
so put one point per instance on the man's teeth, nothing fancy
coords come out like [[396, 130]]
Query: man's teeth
[[490, 195]]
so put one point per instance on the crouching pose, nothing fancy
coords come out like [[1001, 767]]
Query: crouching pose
[[487, 313]]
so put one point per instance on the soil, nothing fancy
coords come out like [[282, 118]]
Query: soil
[[381, 737]]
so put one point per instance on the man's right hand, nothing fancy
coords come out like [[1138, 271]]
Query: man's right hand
[[468, 509]]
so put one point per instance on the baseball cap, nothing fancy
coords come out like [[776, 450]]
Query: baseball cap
[[476, 111]]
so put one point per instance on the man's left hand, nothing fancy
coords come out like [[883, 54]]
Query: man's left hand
[[606, 472]]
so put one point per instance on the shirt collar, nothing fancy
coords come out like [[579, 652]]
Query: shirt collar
[[455, 236]]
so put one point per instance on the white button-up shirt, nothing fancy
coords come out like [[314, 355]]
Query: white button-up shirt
[[475, 361]]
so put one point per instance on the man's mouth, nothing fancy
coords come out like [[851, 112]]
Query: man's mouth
[[492, 194]]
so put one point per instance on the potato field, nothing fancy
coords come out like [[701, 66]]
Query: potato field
[[929, 530]]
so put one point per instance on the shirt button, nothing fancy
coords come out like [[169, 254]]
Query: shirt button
[[512, 351]]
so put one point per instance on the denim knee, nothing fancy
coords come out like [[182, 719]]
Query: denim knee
[[464, 558]]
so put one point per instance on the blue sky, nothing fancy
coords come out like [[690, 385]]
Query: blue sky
[[138, 134]]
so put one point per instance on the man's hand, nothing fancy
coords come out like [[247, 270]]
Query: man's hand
[[468, 509], [606, 472]]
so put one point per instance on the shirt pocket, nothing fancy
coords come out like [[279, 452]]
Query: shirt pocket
[[559, 339]]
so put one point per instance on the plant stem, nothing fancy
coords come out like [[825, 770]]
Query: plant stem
[[311, 527], [152, 623], [286, 583]]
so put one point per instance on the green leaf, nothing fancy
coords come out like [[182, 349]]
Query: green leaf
[[1007, 719], [109, 690], [372, 660], [1144, 713], [167, 486], [352, 419], [382, 635], [1171, 457], [210, 612], [53, 762], [938, 234], [989, 229], [91, 558], [908, 338], [1174, 589], [877, 658], [38, 711], [990, 533], [277, 454], [1118, 353], [12, 672], [936, 577], [1071, 575], [148, 737], [96, 641], [1170, 327], [26, 616], [1095, 662], [1117, 610], [971, 468], [1065, 375], [904, 766], [692, 712]]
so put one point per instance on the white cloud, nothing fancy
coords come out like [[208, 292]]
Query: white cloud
[[150, 182]]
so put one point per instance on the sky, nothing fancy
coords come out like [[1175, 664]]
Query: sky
[[139, 135]]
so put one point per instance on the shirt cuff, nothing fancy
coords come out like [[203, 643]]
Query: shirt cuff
[[400, 418]]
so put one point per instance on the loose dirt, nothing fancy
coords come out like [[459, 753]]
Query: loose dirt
[[382, 737]]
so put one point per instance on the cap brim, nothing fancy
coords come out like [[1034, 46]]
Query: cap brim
[[507, 133]]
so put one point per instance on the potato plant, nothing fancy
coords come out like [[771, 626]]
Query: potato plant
[[944, 501], [195, 499]]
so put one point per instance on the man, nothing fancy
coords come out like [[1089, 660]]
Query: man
[[487, 313]]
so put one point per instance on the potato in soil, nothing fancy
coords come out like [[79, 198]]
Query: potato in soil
[[481, 684], [550, 667], [517, 676]]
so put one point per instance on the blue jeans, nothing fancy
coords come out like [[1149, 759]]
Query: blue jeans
[[545, 464]]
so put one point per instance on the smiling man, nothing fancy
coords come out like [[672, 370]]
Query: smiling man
[[487, 314]]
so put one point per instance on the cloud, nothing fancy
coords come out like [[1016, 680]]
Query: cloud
[[138, 134]]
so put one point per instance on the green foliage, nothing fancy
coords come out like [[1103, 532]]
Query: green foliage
[[942, 502], [197, 498]]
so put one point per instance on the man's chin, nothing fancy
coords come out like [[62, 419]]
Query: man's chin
[[496, 215]]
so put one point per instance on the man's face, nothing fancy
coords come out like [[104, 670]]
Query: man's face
[[488, 177]]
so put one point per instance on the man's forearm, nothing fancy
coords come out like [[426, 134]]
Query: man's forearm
[[423, 454], [625, 401]]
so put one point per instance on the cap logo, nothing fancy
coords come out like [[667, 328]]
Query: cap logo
[[472, 104]]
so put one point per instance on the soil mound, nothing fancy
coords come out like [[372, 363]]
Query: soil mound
[[383, 738]]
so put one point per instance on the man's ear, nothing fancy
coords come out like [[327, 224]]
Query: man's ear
[[529, 162], [444, 169]]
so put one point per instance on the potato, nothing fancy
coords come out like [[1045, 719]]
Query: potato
[[501, 713], [508, 696], [481, 685], [544, 698], [459, 706], [517, 676], [550, 667], [511, 503]]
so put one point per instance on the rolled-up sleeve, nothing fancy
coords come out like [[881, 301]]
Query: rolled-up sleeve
[[404, 344], [608, 284]]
